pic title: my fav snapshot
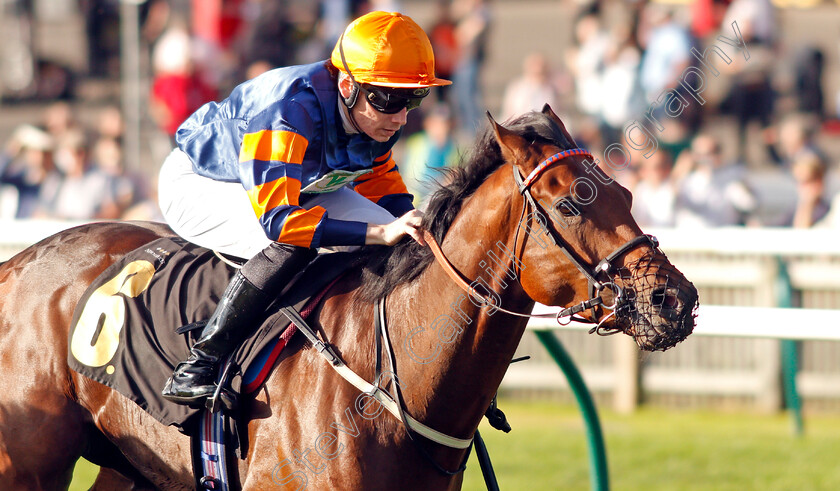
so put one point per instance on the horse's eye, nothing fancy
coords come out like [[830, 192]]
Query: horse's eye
[[566, 207]]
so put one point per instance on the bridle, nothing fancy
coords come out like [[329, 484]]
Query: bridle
[[604, 269]]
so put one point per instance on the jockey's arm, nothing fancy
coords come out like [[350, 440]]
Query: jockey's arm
[[270, 164], [391, 233], [385, 187]]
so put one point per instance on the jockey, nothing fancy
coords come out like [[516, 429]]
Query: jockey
[[295, 159]]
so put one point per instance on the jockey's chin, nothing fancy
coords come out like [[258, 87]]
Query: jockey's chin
[[377, 125]]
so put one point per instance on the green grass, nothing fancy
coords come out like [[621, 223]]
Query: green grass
[[650, 450], [661, 450]]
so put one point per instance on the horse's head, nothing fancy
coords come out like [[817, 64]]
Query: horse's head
[[579, 243]]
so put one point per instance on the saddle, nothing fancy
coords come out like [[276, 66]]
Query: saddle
[[125, 329]]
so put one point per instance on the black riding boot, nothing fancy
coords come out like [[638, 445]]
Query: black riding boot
[[241, 307]]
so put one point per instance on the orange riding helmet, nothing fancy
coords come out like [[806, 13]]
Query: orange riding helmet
[[387, 49]]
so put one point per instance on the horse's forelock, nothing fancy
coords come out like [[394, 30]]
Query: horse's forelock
[[536, 127]]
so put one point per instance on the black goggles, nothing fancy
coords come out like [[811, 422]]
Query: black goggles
[[392, 100]]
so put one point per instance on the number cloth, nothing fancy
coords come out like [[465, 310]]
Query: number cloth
[[123, 329]]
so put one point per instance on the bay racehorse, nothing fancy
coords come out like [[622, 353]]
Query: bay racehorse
[[526, 219]]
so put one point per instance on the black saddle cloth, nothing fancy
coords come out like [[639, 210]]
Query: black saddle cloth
[[123, 329]]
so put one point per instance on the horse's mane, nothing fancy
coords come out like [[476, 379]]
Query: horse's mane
[[387, 267]]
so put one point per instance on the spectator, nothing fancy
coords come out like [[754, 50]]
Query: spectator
[[442, 35], [215, 27], [102, 26], [27, 173], [796, 139], [812, 204], [710, 193], [177, 89], [622, 99], [85, 191], [667, 53], [667, 46], [473, 25], [586, 63], [155, 15], [809, 65], [428, 151], [109, 124], [124, 189], [532, 90], [59, 120], [269, 37], [752, 96], [654, 195]]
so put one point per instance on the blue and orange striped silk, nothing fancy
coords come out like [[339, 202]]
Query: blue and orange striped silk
[[277, 134], [270, 167], [384, 186]]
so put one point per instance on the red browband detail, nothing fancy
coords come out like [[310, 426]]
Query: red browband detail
[[545, 164]]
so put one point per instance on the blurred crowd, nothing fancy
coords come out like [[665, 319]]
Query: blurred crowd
[[700, 110], [695, 81], [626, 66], [63, 170]]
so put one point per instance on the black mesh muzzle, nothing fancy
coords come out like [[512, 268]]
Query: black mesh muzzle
[[657, 305]]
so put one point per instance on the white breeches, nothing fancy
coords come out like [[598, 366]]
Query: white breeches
[[218, 215]]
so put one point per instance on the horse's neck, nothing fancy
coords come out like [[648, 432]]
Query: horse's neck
[[460, 353]]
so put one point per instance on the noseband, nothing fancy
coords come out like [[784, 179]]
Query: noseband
[[604, 268]]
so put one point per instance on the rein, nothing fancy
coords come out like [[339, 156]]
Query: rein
[[387, 401], [462, 282], [394, 402]]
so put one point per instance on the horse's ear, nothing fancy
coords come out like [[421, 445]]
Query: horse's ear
[[546, 110], [509, 142]]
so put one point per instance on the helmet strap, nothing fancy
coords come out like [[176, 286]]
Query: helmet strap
[[350, 100]]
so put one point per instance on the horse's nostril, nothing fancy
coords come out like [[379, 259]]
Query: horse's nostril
[[666, 301]]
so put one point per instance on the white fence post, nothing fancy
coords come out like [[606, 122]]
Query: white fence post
[[626, 393]]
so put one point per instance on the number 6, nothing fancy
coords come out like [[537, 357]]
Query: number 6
[[104, 313]]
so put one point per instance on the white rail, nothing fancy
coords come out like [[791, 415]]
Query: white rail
[[754, 241], [745, 322]]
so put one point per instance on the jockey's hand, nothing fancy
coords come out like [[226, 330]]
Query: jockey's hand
[[391, 233]]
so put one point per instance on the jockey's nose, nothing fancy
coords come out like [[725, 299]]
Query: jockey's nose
[[400, 117]]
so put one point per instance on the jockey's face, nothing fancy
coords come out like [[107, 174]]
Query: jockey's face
[[377, 125]]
